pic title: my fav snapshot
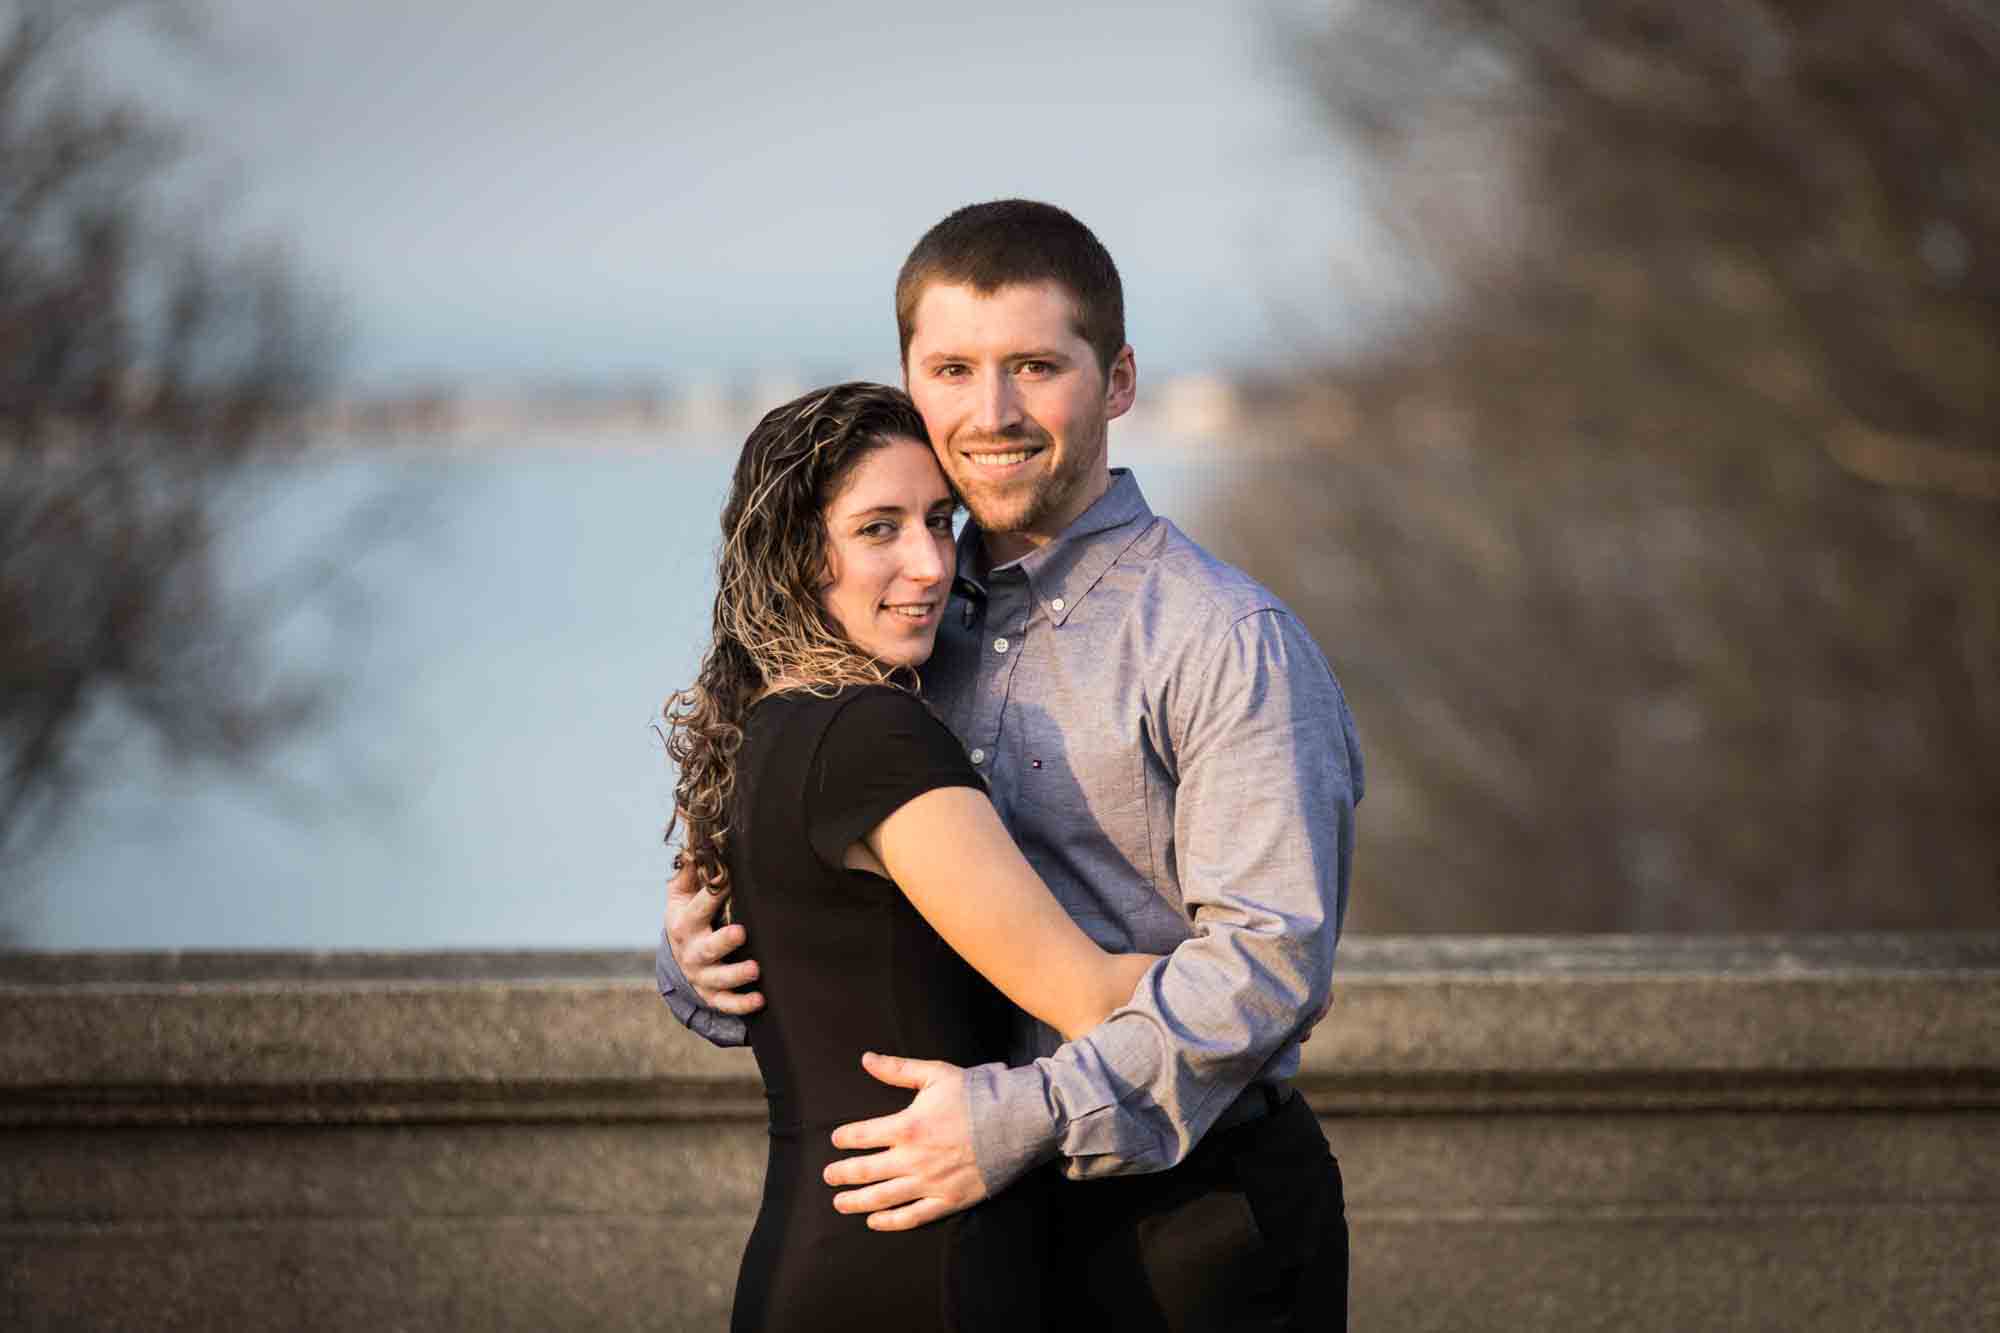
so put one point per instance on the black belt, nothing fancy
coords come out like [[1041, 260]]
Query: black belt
[[1253, 1104]]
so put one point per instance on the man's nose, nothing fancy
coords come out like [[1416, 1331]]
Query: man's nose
[[999, 410]]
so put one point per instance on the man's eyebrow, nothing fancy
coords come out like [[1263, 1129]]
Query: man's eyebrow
[[1026, 354]]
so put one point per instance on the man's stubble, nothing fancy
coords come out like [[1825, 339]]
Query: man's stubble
[[1051, 493]]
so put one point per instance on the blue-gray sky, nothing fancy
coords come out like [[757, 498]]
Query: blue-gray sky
[[672, 191], [696, 189]]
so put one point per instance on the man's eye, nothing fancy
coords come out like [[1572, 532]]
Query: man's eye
[[950, 372], [1036, 367]]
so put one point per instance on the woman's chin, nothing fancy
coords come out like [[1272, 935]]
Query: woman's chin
[[910, 652]]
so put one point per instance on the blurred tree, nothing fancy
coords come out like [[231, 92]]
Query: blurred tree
[[1660, 549], [141, 367]]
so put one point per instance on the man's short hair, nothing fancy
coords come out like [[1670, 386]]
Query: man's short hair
[[1009, 241]]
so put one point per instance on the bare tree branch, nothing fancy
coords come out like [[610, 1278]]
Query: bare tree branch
[[142, 366], [1662, 559]]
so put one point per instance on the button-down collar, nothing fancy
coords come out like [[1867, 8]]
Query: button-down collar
[[1061, 571]]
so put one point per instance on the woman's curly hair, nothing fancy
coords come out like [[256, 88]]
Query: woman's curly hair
[[770, 631]]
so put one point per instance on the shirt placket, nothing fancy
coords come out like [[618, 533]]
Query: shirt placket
[[1005, 622]]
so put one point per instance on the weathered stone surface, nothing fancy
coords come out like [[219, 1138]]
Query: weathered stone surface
[[1673, 1221], [368, 1227], [1477, 1164], [193, 1175], [1911, 1267], [266, 1033], [1574, 1134], [526, 1272], [1416, 1019]]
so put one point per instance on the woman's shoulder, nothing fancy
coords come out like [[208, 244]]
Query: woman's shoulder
[[830, 700], [846, 708]]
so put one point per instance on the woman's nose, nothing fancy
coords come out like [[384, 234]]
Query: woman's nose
[[923, 562]]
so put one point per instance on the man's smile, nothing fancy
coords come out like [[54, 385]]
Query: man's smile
[[995, 459]]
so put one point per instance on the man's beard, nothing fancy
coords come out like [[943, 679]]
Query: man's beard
[[1045, 495]]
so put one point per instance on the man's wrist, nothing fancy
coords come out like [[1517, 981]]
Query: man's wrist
[[1016, 1126], [666, 968]]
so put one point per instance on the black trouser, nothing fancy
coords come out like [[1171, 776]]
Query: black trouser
[[1250, 1232]]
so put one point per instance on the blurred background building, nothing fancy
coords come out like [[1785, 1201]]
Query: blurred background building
[[1611, 386]]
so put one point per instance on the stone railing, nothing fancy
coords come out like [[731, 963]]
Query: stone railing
[[1592, 1133]]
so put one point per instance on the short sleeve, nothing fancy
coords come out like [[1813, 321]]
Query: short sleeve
[[881, 749]]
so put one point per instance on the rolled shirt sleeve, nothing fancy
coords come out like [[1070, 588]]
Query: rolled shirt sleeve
[[1268, 774]]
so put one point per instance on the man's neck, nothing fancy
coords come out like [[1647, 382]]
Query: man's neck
[[1004, 548]]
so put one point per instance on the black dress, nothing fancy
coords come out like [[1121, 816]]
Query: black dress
[[846, 966]]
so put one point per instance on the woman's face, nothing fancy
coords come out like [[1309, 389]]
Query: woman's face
[[889, 555]]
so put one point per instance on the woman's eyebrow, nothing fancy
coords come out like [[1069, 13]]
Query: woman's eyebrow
[[876, 509]]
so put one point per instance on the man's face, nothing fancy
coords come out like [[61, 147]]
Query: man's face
[[1016, 406]]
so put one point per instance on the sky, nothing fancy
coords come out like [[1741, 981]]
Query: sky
[[612, 190], [688, 191]]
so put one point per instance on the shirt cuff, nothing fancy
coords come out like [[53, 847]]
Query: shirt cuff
[[1015, 1124]]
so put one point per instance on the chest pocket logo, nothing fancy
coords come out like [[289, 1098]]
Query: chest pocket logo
[[1080, 792]]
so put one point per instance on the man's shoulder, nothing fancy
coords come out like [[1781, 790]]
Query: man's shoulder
[[1181, 573], [1215, 632]]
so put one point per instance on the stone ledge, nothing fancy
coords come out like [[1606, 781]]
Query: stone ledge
[[1921, 953], [1420, 1026]]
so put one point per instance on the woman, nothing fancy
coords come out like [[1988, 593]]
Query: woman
[[858, 845]]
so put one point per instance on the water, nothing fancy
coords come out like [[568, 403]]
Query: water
[[487, 776]]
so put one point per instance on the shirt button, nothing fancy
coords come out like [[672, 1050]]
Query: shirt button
[[999, 645], [978, 756], [1056, 605]]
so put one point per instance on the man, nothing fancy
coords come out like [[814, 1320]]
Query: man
[[1175, 759]]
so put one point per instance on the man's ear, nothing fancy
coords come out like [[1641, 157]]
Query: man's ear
[[1121, 383]]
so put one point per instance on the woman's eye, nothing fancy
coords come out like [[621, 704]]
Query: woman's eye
[[879, 529], [941, 523]]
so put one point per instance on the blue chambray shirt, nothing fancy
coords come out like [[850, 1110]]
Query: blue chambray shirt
[[1177, 762]]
